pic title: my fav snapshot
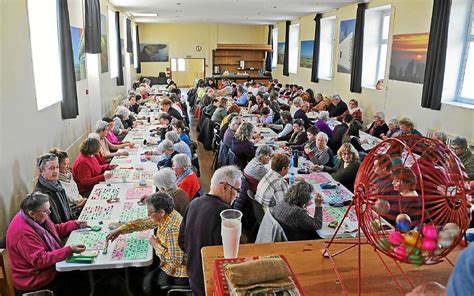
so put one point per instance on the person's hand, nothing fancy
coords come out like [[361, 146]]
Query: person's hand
[[318, 200], [113, 235], [316, 168], [154, 241], [107, 175], [364, 141], [270, 125], [143, 198], [113, 166], [77, 249], [81, 224], [131, 145], [299, 178], [123, 153], [124, 131], [81, 203]]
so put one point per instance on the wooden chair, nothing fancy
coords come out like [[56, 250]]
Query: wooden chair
[[6, 282]]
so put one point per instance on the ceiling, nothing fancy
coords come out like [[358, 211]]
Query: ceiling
[[225, 11]]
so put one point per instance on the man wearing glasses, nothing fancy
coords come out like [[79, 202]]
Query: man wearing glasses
[[460, 148], [201, 225], [48, 183]]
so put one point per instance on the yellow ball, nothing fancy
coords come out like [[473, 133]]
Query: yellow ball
[[411, 237]]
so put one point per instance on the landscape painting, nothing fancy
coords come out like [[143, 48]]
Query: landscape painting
[[346, 39], [281, 52], [153, 52], [306, 56], [104, 57], [79, 57], [409, 57]]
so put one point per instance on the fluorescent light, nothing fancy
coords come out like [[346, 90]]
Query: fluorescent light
[[139, 14]]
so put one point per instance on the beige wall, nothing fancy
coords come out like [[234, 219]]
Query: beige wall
[[182, 40], [25, 132], [399, 98]]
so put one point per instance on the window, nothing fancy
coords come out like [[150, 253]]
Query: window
[[42, 17], [178, 65], [275, 48], [466, 86], [326, 48], [293, 49], [113, 45], [376, 35], [134, 40]]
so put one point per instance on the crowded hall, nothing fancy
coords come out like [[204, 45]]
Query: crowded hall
[[244, 148]]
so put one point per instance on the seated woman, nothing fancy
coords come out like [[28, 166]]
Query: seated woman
[[291, 214], [321, 154], [284, 126], [354, 110], [346, 169], [393, 129], [167, 152], [322, 125], [187, 179], [179, 127], [179, 146], [76, 201], [165, 181], [34, 247], [87, 171], [266, 117], [378, 127], [242, 146], [256, 169], [322, 103], [102, 129], [252, 105], [166, 220], [121, 128], [220, 111], [110, 135], [298, 137], [352, 136], [407, 127]]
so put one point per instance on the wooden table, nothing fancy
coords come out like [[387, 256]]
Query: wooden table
[[316, 274]]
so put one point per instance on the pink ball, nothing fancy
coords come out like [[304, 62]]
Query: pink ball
[[430, 231], [428, 244], [395, 238], [400, 252]]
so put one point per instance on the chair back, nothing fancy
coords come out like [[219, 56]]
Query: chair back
[[256, 207], [270, 230], [6, 281]]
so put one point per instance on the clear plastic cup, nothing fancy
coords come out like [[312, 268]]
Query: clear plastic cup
[[231, 229]]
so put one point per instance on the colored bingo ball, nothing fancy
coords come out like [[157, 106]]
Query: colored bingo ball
[[395, 238], [428, 244], [382, 206], [411, 237], [445, 239], [452, 229], [403, 222], [400, 252], [384, 244], [430, 231]]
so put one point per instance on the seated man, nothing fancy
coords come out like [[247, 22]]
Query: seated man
[[48, 183], [338, 106], [201, 225], [272, 188], [301, 113], [460, 148], [165, 106], [166, 220]]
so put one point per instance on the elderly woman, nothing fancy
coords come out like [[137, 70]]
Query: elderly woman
[[322, 154], [378, 126], [285, 128], [166, 220], [34, 247], [120, 127], [393, 129], [407, 127], [102, 129], [441, 136], [346, 169], [187, 179], [179, 146], [165, 181], [298, 137], [166, 149], [75, 200], [291, 214], [256, 169], [87, 171], [234, 124], [242, 145], [322, 125], [322, 103]]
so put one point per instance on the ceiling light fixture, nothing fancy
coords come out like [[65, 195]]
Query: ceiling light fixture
[[143, 14]]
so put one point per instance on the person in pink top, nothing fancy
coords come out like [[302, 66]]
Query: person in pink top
[[34, 247], [86, 170]]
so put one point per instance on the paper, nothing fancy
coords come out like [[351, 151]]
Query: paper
[[139, 192]]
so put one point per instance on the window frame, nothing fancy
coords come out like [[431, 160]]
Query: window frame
[[293, 50], [469, 40], [331, 52], [275, 48], [382, 42]]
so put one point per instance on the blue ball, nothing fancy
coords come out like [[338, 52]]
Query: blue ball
[[470, 237], [403, 222]]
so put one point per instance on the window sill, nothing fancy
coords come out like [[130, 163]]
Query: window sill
[[373, 88], [459, 104], [326, 79]]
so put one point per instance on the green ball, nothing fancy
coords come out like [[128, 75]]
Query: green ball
[[384, 244]]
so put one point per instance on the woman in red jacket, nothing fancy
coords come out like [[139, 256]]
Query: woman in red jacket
[[34, 246], [187, 180], [86, 170]]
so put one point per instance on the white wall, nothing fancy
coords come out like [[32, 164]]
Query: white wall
[[400, 98], [25, 132]]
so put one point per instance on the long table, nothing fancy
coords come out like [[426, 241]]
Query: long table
[[316, 274]]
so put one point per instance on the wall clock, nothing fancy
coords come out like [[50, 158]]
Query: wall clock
[[198, 48]]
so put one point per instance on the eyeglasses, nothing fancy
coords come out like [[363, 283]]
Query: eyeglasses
[[47, 212], [236, 189], [44, 158], [456, 148]]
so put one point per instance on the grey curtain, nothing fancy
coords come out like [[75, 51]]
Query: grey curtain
[[316, 45], [287, 49], [358, 50], [69, 104], [137, 44], [436, 55], [268, 60], [119, 49], [129, 36], [92, 26]]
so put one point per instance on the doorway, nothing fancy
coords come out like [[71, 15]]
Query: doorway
[[184, 71]]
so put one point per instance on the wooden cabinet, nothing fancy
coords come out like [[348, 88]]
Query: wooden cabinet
[[239, 59]]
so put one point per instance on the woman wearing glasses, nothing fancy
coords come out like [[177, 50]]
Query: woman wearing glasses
[[345, 170], [34, 247]]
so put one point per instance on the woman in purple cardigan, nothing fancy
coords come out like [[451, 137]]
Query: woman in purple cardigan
[[322, 125]]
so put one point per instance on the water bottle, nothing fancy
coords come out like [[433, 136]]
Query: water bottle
[[291, 162], [291, 179], [295, 158]]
